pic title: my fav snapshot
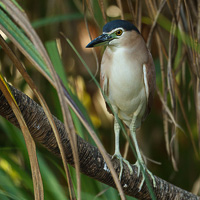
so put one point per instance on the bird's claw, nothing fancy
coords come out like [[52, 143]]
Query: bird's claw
[[121, 160], [139, 165]]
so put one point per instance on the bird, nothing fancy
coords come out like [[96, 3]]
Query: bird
[[128, 81]]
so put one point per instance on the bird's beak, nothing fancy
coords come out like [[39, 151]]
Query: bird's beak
[[103, 39]]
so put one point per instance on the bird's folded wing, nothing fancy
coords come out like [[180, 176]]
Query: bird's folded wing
[[104, 83], [149, 83]]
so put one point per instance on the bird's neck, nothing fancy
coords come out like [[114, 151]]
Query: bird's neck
[[136, 49]]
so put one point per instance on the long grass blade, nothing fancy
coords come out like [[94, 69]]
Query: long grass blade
[[30, 144], [101, 5], [119, 3], [198, 64], [37, 93], [164, 93], [86, 23], [170, 83], [169, 112], [162, 4], [52, 47], [56, 19], [31, 33], [131, 9]]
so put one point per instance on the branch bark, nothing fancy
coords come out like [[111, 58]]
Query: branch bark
[[91, 161]]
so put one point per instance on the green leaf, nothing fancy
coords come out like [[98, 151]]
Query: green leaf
[[56, 61], [56, 19], [24, 42]]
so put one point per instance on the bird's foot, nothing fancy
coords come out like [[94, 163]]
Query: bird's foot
[[121, 160], [145, 170]]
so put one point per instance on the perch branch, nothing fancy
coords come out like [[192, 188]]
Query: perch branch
[[91, 161]]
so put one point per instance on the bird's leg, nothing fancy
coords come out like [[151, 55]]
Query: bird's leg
[[140, 163], [117, 153]]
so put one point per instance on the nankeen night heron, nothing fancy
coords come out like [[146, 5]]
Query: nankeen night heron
[[128, 80]]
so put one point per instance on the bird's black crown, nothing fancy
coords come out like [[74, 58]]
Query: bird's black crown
[[126, 25]]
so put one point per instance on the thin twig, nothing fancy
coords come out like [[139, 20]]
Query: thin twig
[[162, 4]]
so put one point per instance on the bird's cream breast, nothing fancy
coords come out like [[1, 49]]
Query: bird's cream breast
[[126, 86]]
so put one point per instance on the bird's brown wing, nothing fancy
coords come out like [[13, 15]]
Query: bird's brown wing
[[150, 77], [104, 83]]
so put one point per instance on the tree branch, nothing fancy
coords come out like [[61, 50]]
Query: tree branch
[[91, 161]]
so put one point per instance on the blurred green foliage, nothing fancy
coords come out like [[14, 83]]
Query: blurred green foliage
[[49, 18]]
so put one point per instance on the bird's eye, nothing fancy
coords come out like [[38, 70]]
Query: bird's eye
[[119, 32]]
